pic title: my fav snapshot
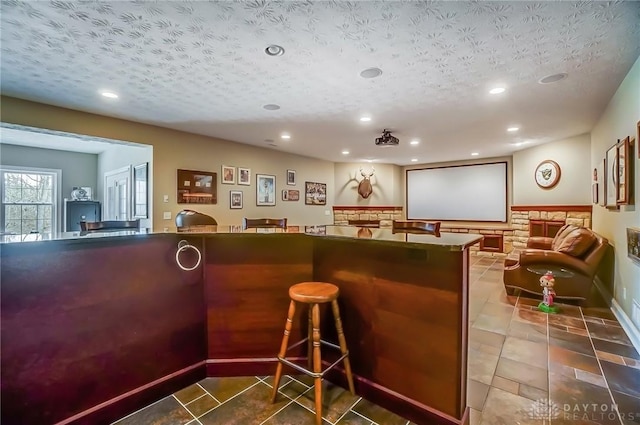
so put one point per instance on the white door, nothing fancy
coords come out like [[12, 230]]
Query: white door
[[117, 194]]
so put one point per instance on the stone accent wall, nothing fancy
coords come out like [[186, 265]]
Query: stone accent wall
[[507, 236], [520, 220], [386, 215]]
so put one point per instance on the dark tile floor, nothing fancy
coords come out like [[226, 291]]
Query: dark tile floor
[[576, 367]]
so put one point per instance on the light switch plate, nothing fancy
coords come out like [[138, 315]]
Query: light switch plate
[[166, 215], [165, 198]]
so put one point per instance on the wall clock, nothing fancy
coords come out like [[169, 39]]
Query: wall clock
[[547, 174]]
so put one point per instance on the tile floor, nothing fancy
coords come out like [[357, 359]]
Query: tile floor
[[576, 367]]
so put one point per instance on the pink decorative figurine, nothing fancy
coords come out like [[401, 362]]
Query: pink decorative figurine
[[547, 281]]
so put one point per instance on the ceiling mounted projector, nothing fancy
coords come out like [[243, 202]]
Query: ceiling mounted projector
[[387, 139]]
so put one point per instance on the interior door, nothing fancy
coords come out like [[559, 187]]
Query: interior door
[[117, 194]]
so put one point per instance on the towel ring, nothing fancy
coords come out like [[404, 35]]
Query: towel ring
[[184, 246]]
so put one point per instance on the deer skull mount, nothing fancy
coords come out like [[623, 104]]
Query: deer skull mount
[[364, 187]]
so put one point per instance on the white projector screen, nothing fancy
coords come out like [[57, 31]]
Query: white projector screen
[[463, 193]]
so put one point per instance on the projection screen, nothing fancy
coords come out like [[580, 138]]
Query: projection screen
[[463, 193]]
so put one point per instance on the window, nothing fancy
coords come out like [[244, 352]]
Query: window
[[28, 201]]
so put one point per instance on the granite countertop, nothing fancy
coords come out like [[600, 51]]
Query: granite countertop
[[450, 241]]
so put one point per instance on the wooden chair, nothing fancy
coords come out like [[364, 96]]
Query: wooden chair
[[249, 223], [416, 226], [102, 226], [188, 218]]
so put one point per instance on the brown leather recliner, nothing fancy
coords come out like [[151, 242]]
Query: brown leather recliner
[[573, 256]]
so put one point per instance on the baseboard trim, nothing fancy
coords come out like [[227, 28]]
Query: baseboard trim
[[406, 407], [417, 412], [131, 401], [623, 319]]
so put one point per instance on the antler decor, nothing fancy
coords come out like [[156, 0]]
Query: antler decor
[[364, 187]]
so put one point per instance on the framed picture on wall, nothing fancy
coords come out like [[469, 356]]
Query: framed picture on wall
[[244, 176], [602, 178], [623, 171], [291, 177], [315, 193], [197, 187], [265, 190], [228, 174], [235, 199], [611, 177]]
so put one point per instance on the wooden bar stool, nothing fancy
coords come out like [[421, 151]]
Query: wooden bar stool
[[314, 294]]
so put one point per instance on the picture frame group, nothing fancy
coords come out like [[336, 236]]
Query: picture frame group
[[233, 175]]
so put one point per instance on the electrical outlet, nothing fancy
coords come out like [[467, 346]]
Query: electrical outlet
[[165, 198], [166, 215], [327, 212], [166, 230]]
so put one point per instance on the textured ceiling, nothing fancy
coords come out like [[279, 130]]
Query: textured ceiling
[[201, 67]]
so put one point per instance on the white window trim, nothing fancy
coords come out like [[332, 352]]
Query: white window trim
[[57, 193]]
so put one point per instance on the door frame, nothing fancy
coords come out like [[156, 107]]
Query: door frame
[[126, 169]]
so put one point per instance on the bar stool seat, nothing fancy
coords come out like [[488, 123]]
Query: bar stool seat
[[313, 294]]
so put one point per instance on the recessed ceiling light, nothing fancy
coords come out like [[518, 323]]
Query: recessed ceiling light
[[474, 154], [371, 73], [553, 78], [414, 142], [365, 119], [497, 90], [271, 107], [109, 94], [274, 50], [512, 129], [414, 159], [345, 152], [286, 136]]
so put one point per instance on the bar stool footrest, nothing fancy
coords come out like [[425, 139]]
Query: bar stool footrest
[[307, 371]]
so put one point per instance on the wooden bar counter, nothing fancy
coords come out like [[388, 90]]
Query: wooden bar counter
[[97, 326]]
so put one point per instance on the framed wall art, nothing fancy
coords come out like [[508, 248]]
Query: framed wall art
[[265, 190], [290, 195], [633, 243], [244, 176], [623, 151], [611, 177], [315, 193], [197, 187], [602, 178], [228, 175], [235, 199], [291, 177], [140, 190]]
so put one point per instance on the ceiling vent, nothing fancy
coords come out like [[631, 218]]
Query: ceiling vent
[[387, 139]]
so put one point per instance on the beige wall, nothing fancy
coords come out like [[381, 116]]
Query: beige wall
[[174, 150], [619, 120], [386, 182], [574, 186]]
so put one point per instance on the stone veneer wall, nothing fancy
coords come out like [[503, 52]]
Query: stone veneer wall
[[579, 215], [386, 215], [507, 236]]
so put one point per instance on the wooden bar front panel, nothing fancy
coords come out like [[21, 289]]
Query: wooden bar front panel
[[404, 314], [86, 321], [247, 293]]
